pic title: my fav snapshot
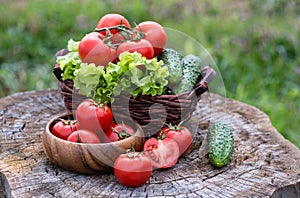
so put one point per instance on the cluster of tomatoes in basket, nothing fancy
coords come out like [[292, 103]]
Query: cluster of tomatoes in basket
[[114, 35], [95, 124]]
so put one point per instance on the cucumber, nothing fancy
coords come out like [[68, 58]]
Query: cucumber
[[172, 59], [191, 70], [220, 144]]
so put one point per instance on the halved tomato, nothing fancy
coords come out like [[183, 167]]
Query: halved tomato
[[163, 153]]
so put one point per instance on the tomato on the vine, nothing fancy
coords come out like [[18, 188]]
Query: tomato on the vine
[[110, 20], [92, 49], [64, 128], [133, 169], [180, 134], [84, 136], [141, 46], [154, 33], [117, 132], [163, 153], [94, 117]]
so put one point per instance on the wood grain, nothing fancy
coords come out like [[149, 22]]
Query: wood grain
[[264, 164], [88, 158]]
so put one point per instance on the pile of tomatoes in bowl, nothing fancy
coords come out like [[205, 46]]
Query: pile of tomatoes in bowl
[[94, 124]]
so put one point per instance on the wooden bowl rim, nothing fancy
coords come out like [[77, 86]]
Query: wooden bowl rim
[[138, 131]]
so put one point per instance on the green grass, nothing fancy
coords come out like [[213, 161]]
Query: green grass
[[255, 44]]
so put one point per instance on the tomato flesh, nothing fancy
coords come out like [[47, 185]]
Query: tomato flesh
[[163, 153]]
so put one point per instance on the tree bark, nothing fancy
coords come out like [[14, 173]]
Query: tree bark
[[263, 164]]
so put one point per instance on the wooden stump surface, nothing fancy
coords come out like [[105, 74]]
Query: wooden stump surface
[[264, 164]]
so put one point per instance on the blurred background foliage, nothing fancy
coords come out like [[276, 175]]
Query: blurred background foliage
[[254, 43]]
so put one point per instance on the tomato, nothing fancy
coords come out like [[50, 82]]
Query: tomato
[[180, 134], [110, 20], [117, 38], [64, 128], [163, 153], [155, 34], [117, 132], [84, 136], [94, 117], [133, 169], [141, 46], [92, 49]]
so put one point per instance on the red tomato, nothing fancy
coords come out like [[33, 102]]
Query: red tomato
[[155, 34], [117, 132], [94, 117], [141, 46], [133, 169], [163, 153], [84, 136], [110, 20], [92, 49], [180, 134], [64, 128], [117, 38]]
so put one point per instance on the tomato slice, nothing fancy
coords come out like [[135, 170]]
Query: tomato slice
[[163, 153]]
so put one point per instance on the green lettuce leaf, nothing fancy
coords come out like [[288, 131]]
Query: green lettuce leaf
[[133, 73], [73, 45], [146, 77], [69, 62], [87, 78]]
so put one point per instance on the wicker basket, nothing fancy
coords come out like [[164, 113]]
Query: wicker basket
[[151, 112]]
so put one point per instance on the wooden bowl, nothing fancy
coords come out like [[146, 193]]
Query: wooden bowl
[[88, 158]]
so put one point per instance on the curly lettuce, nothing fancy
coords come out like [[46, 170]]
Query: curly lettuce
[[133, 73], [87, 78], [146, 77], [70, 62]]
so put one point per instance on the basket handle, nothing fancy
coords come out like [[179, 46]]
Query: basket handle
[[57, 72], [208, 76], [56, 69]]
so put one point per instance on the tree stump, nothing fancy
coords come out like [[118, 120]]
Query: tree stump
[[264, 164]]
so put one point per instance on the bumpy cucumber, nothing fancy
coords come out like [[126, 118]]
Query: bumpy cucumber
[[172, 59], [220, 144], [190, 73]]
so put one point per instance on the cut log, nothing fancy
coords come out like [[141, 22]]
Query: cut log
[[263, 164]]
